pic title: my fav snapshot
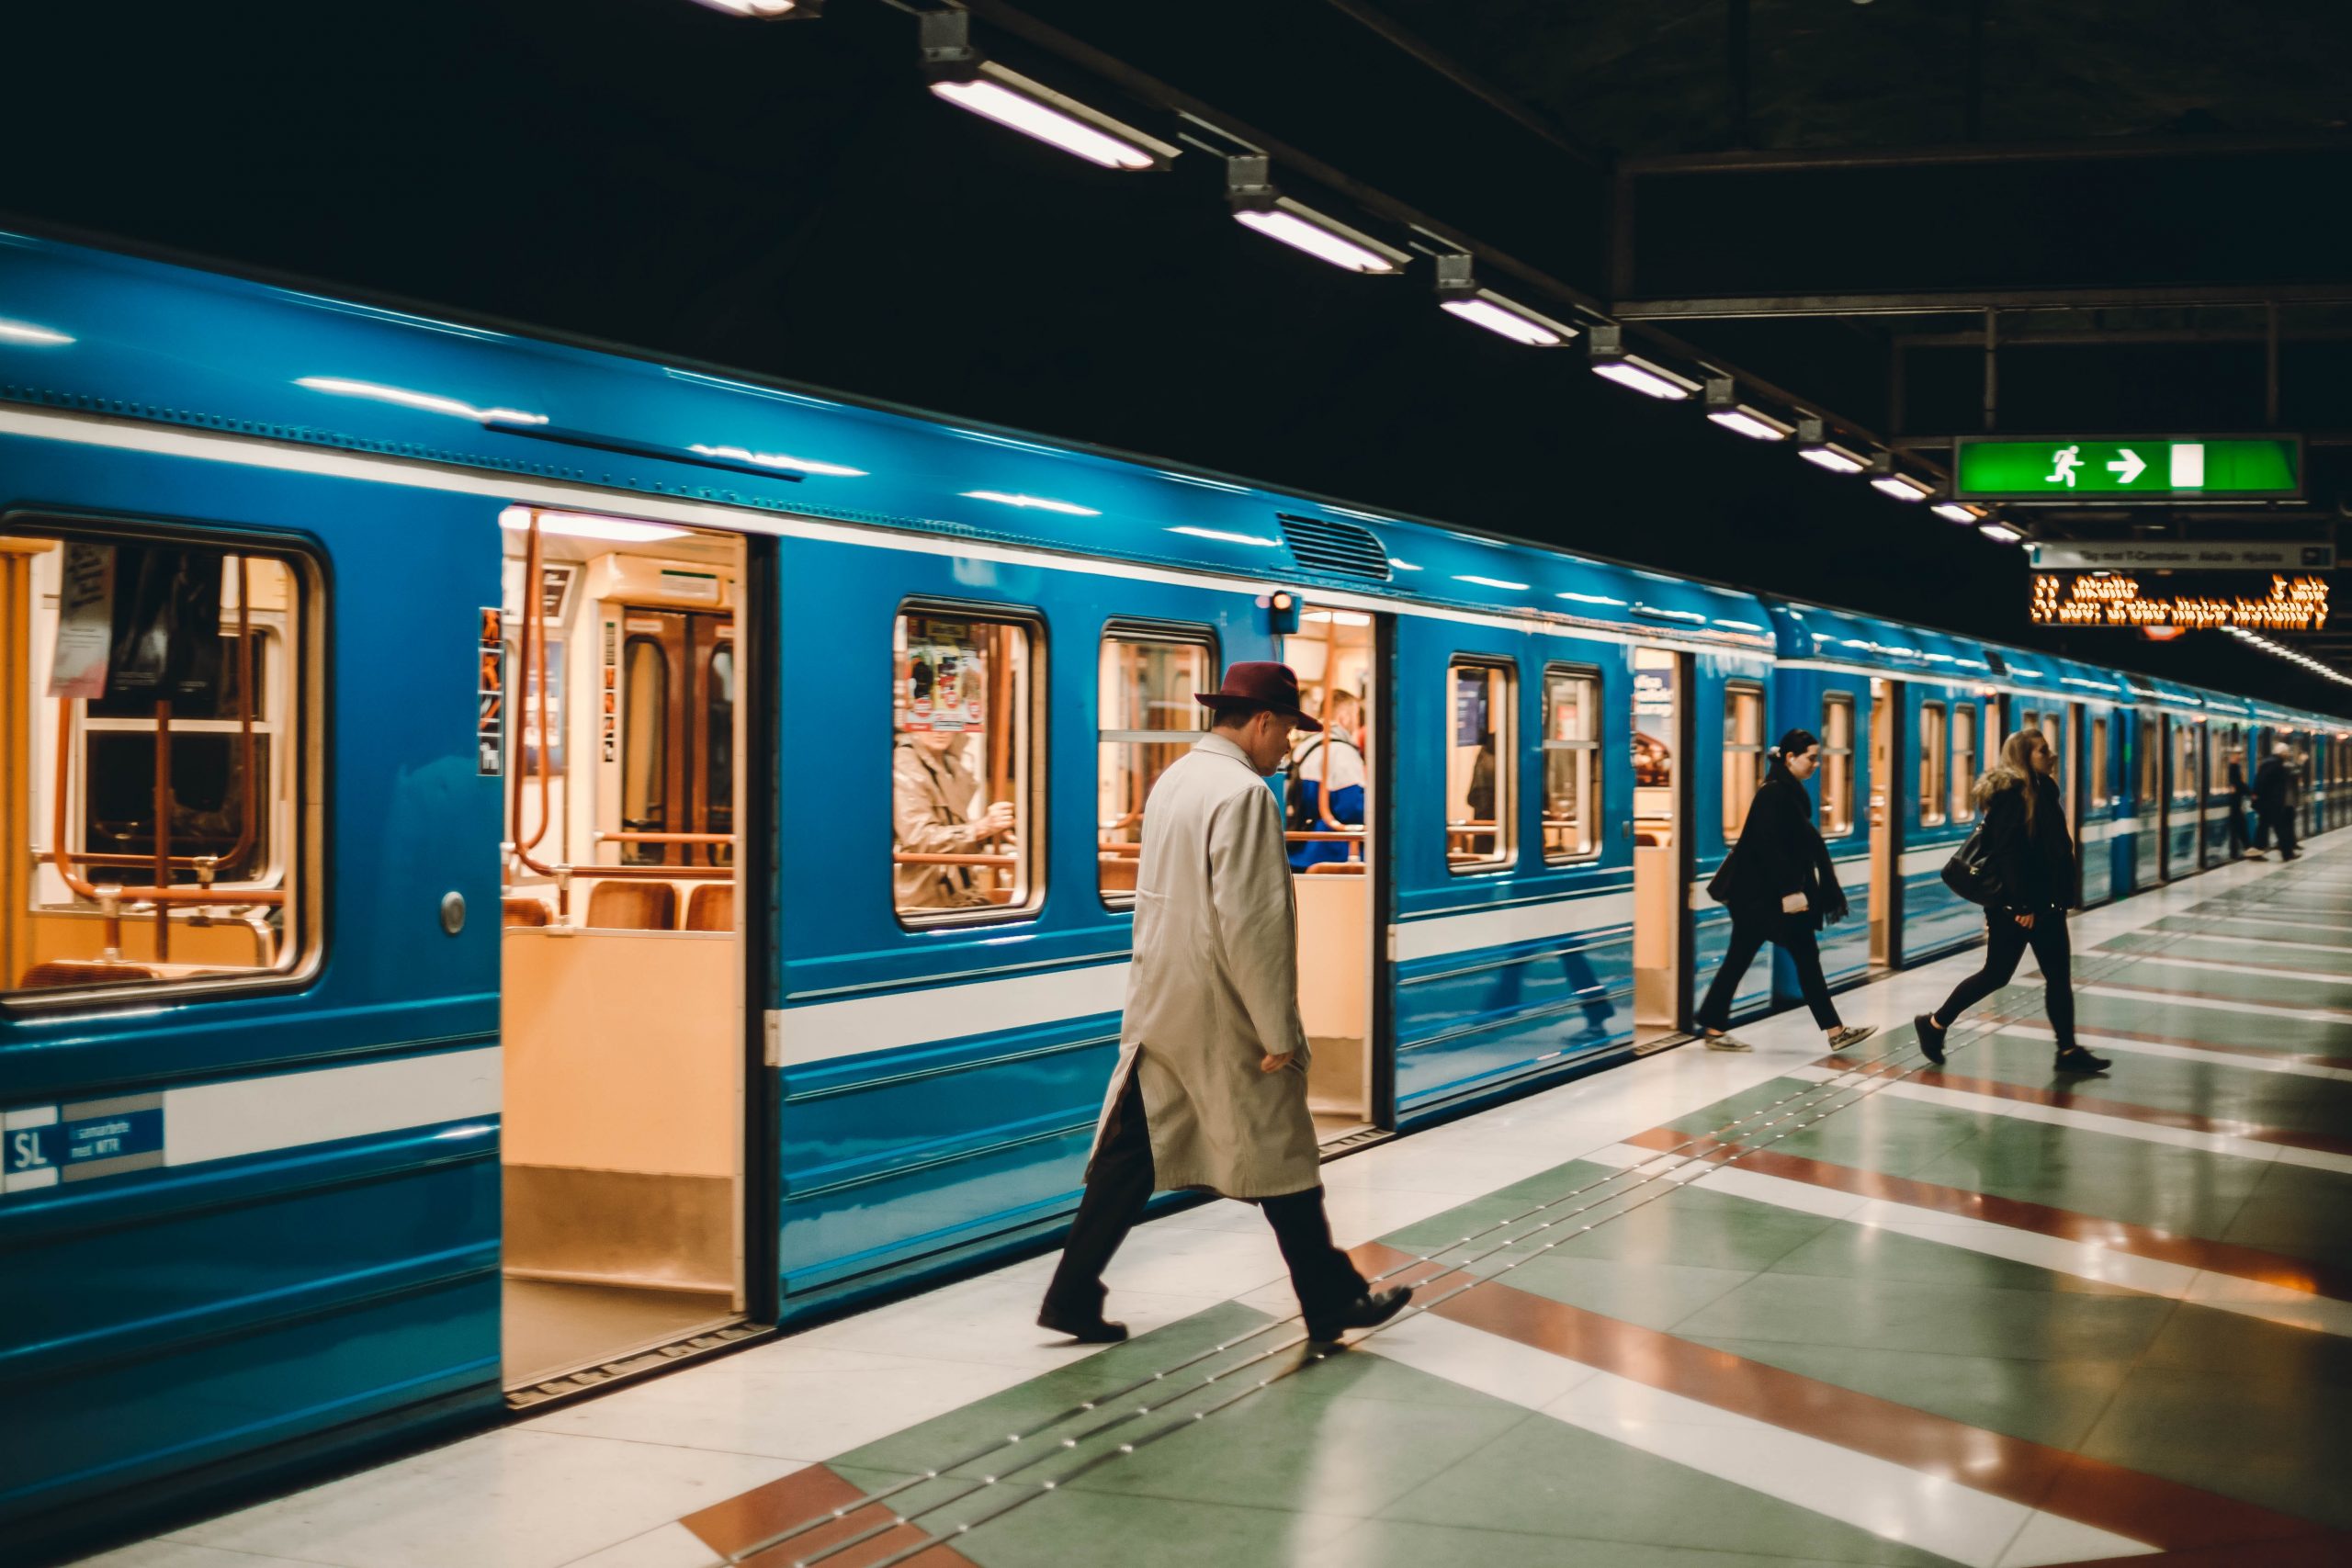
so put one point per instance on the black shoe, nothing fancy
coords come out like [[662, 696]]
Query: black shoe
[[2075, 1059], [1095, 1330], [1931, 1037], [1367, 1311]]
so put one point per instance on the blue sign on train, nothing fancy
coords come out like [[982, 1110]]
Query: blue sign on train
[[73, 1143]]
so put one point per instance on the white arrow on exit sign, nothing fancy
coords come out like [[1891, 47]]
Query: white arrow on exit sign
[[2130, 465]]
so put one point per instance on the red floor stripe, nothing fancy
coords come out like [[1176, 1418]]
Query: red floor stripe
[[794, 1499], [2066, 1224], [2069, 1099], [2164, 1513]]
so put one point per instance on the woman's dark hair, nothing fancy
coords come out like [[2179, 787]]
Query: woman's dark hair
[[1795, 743]]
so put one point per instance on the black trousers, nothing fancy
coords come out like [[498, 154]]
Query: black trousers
[[2237, 829], [1748, 938], [2282, 823], [1118, 1184], [2005, 943]]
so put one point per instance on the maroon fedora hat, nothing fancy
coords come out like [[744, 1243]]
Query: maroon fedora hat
[[1263, 682]]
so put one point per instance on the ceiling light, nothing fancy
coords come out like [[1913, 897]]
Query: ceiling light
[[1611, 362], [1255, 202], [586, 525], [1815, 446], [1954, 511], [1895, 485], [1724, 408], [959, 73], [1458, 292], [429, 402], [26, 333], [769, 10], [1039, 502], [2000, 533], [776, 460]]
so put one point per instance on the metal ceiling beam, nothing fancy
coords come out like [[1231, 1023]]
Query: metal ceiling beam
[[1770, 161], [1704, 308]]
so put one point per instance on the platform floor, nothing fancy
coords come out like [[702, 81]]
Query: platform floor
[[1979, 1316]]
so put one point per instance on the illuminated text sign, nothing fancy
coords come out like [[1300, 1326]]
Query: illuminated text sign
[[2118, 599]]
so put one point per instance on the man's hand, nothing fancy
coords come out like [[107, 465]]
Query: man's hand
[[1273, 1064], [996, 821]]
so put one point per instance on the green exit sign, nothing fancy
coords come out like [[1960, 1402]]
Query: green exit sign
[[2127, 468]]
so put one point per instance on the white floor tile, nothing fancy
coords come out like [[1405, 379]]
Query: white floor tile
[[167, 1553], [672, 1546]]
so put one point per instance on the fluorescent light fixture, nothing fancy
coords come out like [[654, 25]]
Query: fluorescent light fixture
[[1900, 487], [963, 76], [27, 334], [1228, 538], [2000, 533], [1815, 446], [1458, 292], [768, 10], [1953, 511], [1611, 362], [1724, 408], [1038, 502], [586, 526], [777, 460], [1249, 189], [1491, 582], [429, 402], [1340, 617]]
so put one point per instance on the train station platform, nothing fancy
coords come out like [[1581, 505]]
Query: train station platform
[[1705, 1311]]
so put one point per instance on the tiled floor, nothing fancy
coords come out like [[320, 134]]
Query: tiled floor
[[1706, 1310]]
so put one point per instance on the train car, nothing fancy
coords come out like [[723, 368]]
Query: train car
[[529, 864]]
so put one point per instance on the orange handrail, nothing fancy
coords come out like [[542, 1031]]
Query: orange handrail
[[527, 641], [603, 836], [905, 859]]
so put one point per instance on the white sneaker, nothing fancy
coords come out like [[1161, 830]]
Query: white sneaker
[[1727, 1043]]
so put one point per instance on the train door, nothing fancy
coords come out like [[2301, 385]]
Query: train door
[[1845, 947], [624, 979], [2096, 805], [1658, 848], [2147, 798], [1334, 784], [1885, 797]]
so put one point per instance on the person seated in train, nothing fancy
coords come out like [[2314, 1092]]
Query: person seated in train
[[932, 793], [1326, 783]]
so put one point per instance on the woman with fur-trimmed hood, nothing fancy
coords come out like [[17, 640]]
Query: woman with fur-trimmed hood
[[2030, 855]]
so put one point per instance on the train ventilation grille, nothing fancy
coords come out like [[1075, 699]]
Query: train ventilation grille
[[1341, 549], [596, 1377]]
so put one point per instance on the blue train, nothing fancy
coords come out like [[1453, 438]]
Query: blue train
[[526, 864]]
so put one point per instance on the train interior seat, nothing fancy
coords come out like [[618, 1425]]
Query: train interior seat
[[57, 972], [622, 1136], [1334, 654]]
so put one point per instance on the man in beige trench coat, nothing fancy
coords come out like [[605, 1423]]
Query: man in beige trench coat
[[1210, 1091]]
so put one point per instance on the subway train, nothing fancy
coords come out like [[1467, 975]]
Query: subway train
[[528, 865]]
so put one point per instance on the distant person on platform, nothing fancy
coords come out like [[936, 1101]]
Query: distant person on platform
[[2274, 801], [1780, 886], [1210, 1092], [2239, 796], [1326, 783], [2030, 856]]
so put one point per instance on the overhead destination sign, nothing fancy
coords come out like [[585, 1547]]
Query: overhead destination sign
[[2120, 599], [2160, 469], [2184, 554]]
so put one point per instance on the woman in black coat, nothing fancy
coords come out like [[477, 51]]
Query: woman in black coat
[[1780, 886], [2032, 856]]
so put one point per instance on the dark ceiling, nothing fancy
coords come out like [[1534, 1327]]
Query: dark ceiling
[[784, 198]]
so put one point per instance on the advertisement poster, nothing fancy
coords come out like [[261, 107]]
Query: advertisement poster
[[489, 695], [84, 622], [946, 678]]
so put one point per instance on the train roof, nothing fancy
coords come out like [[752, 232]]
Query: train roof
[[103, 333]]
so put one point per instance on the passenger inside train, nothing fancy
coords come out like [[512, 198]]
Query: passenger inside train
[[622, 988]]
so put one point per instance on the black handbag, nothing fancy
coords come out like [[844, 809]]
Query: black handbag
[[1970, 871]]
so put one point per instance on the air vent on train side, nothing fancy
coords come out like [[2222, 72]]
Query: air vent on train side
[[1341, 549]]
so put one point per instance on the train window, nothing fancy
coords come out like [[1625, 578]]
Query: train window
[[961, 785], [2217, 758], [1477, 778], [2184, 760], [1148, 719], [2101, 793], [1933, 759], [1963, 761], [1743, 753], [162, 739], [718, 730], [645, 742], [1837, 765], [2147, 743], [1571, 765]]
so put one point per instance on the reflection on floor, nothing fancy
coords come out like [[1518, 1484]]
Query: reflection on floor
[[553, 1328], [1978, 1314]]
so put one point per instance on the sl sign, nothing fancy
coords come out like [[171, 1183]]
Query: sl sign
[[2156, 468]]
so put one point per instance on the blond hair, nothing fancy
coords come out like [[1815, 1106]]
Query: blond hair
[[2015, 768]]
